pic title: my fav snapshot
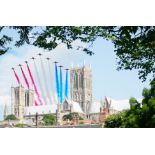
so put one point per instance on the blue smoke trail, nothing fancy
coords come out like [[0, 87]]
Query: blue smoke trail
[[61, 87], [66, 85], [57, 82]]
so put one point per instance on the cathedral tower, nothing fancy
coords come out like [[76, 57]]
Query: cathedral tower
[[20, 98], [81, 86]]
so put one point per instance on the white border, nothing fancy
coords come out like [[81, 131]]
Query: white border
[[77, 141], [77, 12]]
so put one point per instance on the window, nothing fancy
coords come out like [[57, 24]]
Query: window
[[76, 81], [81, 80], [65, 105]]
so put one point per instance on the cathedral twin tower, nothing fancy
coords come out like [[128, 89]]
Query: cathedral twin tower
[[81, 86]]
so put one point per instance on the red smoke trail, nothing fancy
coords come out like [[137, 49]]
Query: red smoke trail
[[35, 88], [17, 78], [27, 83]]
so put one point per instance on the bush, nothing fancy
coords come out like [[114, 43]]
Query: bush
[[70, 116], [81, 118], [49, 119], [19, 125], [11, 117]]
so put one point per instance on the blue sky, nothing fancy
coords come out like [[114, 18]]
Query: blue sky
[[107, 81]]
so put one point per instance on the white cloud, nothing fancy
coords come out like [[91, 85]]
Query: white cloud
[[120, 104]]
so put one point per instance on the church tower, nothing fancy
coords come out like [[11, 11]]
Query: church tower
[[81, 86], [20, 98], [18, 101]]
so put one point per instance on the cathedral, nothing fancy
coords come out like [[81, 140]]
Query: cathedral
[[22, 101]]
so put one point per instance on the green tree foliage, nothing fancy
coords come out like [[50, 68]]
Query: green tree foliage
[[114, 121], [49, 119], [11, 117], [71, 116], [80, 118], [140, 115], [20, 125], [68, 117], [134, 45]]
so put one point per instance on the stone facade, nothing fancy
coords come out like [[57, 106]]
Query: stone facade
[[21, 98], [81, 86]]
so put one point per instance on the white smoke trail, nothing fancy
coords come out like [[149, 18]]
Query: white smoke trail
[[39, 81], [52, 83], [45, 81]]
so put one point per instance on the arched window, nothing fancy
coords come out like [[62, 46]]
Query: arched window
[[77, 97], [81, 80], [76, 81]]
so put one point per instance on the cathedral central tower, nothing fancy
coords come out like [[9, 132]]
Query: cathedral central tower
[[81, 86]]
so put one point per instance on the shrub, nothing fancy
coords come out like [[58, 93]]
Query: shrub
[[49, 119], [11, 117]]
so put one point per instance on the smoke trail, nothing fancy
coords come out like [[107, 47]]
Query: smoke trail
[[26, 81], [52, 84], [35, 88], [45, 79], [66, 85], [61, 86], [35, 102], [17, 78], [38, 78], [57, 81]]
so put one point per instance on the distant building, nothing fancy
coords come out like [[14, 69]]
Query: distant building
[[99, 111]]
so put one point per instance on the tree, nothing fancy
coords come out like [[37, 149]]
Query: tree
[[134, 45], [11, 117], [71, 116], [140, 115], [49, 119], [114, 121], [68, 117]]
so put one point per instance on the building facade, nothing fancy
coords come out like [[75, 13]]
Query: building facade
[[21, 98], [81, 86]]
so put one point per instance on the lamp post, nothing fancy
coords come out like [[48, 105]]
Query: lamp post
[[58, 113]]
